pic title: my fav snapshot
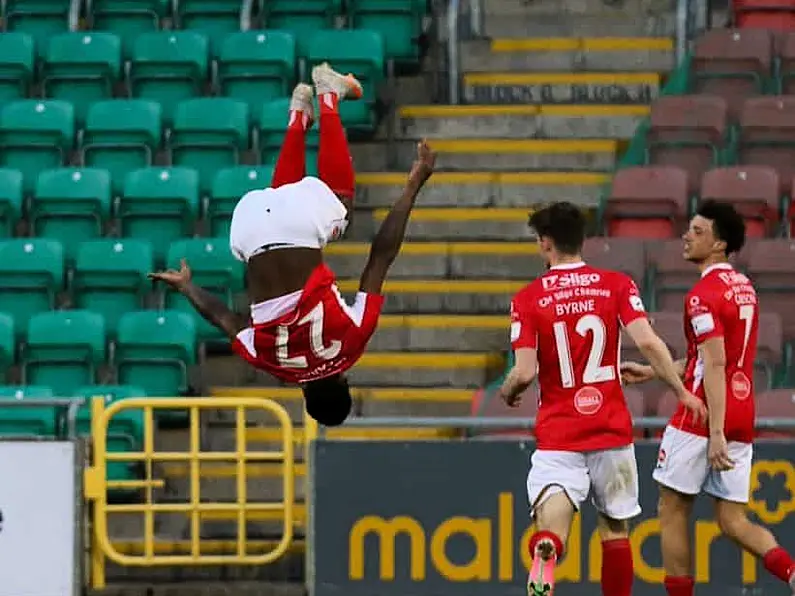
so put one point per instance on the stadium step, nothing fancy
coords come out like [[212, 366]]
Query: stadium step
[[501, 260], [521, 121], [464, 155], [437, 296], [483, 189], [600, 54], [560, 87], [547, 18]]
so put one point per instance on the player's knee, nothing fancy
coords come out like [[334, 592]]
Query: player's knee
[[328, 400], [731, 521], [612, 529]]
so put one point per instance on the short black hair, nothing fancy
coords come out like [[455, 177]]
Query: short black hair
[[328, 400], [727, 224], [564, 223]]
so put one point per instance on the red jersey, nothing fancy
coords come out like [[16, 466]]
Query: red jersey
[[320, 337], [723, 304], [573, 315]]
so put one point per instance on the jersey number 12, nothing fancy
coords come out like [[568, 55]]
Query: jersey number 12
[[594, 371]]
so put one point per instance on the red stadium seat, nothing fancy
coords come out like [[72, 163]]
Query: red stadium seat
[[771, 265], [776, 15], [769, 349], [647, 202], [688, 132], [627, 255], [493, 407], [732, 63], [767, 135], [673, 276], [775, 404], [637, 407], [786, 64], [754, 190]]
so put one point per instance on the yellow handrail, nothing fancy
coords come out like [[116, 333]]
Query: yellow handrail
[[97, 485]]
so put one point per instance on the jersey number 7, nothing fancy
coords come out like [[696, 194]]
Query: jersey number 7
[[595, 371]]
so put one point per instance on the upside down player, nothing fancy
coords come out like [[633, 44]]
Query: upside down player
[[300, 329], [721, 323], [565, 328]]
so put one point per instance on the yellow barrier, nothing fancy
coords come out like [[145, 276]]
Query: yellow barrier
[[96, 484]]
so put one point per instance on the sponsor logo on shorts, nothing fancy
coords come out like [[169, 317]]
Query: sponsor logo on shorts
[[741, 386], [588, 401], [661, 458]]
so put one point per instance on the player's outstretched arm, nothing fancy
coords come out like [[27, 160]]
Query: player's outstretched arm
[[207, 305], [634, 372], [660, 360], [388, 240], [520, 376]]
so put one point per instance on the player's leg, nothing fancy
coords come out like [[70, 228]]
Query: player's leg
[[291, 164], [556, 485], [334, 162], [614, 478], [731, 490], [681, 471]]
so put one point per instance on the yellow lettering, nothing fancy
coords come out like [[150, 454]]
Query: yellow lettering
[[505, 536], [749, 568], [479, 568], [527, 560], [706, 533], [642, 532], [387, 531], [595, 558]]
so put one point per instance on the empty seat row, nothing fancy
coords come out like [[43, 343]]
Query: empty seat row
[[125, 430], [159, 205], [67, 349], [696, 133], [123, 135], [109, 277], [775, 15], [170, 66], [398, 21], [656, 202]]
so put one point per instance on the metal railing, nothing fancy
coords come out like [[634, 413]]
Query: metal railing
[[97, 484]]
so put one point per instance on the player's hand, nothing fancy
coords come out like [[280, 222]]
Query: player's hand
[[423, 166], [176, 279], [633, 372], [718, 453], [696, 407]]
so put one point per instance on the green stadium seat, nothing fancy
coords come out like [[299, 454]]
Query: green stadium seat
[[110, 278], [168, 67], [26, 422], [127, 18], [255, 66], [63, 349], [125, 430], [272, 128], [17, 65], [35, 135], [11, 201], [154, 350], [8, 340], [160, 205], [398, 21], [229, 186], [361, 53], [71, 205], [31, 275], [303, 19], [41, 19], [81, 68], [121, 136], [214, 269], [213, 18], [209, 133]]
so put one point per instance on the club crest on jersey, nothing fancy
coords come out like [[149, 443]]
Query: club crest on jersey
[[569, 280], [588, 401]]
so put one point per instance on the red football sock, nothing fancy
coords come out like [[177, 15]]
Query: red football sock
[[546, 535], [334, 162], [617, 570], [778, 562], [679, 586], [291, 165]]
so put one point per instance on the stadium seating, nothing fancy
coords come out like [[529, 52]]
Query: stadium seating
[[11, 201], [214, 269], [399, 22], [213, 18], [777, 15], [17, 64], [7, 345], [303, 19], [41, 19], [33, 422], [127, 18]]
